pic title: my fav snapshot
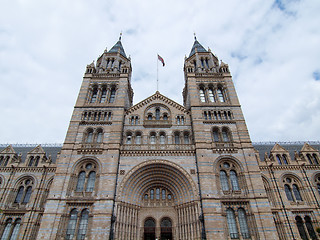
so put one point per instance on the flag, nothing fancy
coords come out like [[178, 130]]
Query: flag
[[161, 60]]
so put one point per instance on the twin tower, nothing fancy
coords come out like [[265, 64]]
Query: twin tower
[[158, 169]]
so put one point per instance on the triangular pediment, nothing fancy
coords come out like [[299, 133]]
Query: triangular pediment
[[8, 150], [37, 150], [159, 99], [278, 148], [307, 148]]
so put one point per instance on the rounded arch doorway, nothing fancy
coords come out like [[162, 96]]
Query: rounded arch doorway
[[166, 229], [149, 229]]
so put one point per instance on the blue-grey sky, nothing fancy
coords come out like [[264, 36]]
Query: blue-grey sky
[[272, 48]]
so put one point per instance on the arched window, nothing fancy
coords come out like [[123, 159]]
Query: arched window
[[177, 138], [315, 158], [296, 192], [220, 94], [1, 160], [162, 138], [36, 162], [165, 117], [94, 94], [215, 134], [16, 228], [300, 227], [6, 161], [149, 116], [86, 178], [89, 135], [225, 135], [202, 95], [151, 194], [211, 96], [310, 228], [152, 138], [99, 135], [83, 224], [24, 192], [138, 138], [234, 180], [158, 193], [186, 138], [31, 159], [232, 225], [103, 95], [288, 192], [279, 159], [129, 138], [7, 229], [285, 160], [136, 120], [163, 194], [112, 95], [309, 158], [224, 181], [157, 114], [72, 224], [91, 181], [244, 229]]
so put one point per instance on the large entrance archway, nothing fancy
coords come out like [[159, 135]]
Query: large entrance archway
[[166, 229], [149, 232], [157, 199]]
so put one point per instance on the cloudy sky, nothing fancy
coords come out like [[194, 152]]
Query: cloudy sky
[[272, 48]]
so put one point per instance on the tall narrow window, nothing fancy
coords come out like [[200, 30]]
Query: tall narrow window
[[89, 136], [31, 159], [279, 159], [163, 194], [288, 192], [232, 225], [162, 138], [81, 181], [83, 225], [99, 136], [19, 194], [1, 160], [178, 120], [202, 96], [72, 224], [7, 229], [284, 157], [36, 162], [176, 138], [27, 195], [6, 161], [16, 229], [136, 120], [300, 227], [216, 135], [157, 114], [318, 187], [205, 115], [296, 192], [94, 95], [129, 138], [182, 120], [309, 159], [103, 95], [220, 95], [315, 158], [153, 138], [244, 229], [225, 135], [211, 97], [234, 180], [224, 181], [151, 194], [138, 138], [186, 138], [91, 181], [112, 95], [158, 193], [310, 228], [165, 117]]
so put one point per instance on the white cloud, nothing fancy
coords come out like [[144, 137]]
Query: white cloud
[[271, 48]]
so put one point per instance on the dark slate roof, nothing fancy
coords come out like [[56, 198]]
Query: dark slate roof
[[24, 149], [116, 48], [197, 46], [290, 146]]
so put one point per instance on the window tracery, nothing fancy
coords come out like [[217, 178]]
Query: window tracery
[[11, 229], [93, 136], [229, 179], [86, 177], [237, 222], [24, 191], [77, 226], [157, 195], [292, 189]]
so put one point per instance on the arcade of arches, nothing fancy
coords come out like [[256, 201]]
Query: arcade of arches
[[158, 201]]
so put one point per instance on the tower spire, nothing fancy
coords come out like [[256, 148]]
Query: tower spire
[[120, 36]]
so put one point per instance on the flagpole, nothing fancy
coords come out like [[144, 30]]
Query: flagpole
[[157, 73]]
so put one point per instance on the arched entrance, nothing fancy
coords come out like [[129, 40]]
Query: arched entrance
[[149, 229], [166, 229]]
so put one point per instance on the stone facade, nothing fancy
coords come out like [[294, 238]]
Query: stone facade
[[160, 170]]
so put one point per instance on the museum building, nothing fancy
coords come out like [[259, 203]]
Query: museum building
[[158, 169]]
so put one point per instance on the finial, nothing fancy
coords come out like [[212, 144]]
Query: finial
[[195, 37], [120, 36]]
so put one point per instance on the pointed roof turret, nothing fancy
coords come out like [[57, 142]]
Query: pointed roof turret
[[197, 47], [118, 48]]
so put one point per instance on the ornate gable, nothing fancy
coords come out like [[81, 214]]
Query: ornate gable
[[277, 148], [37, 150], [307, 148], [157, 98], [8, 150]]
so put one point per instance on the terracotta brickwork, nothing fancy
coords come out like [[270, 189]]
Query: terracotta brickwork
[[158, 169]]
